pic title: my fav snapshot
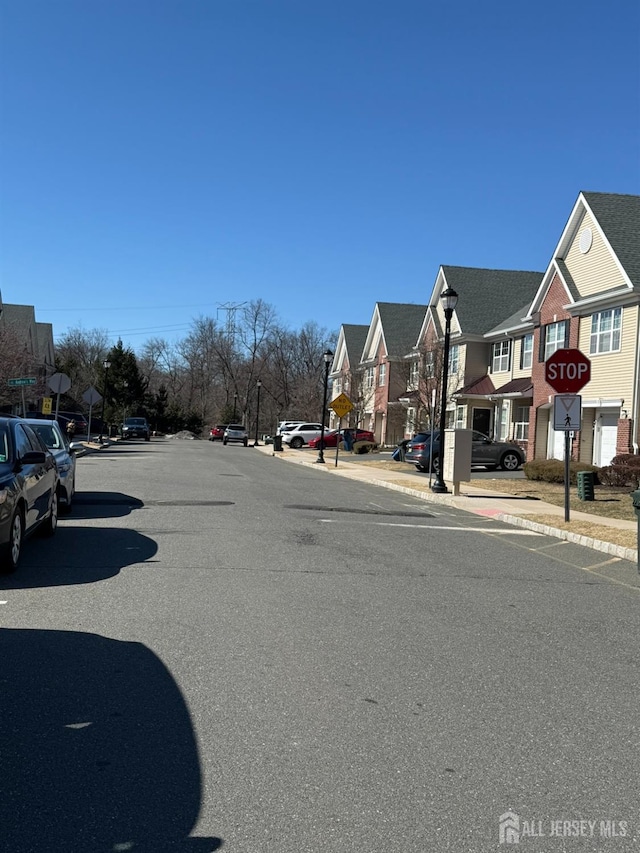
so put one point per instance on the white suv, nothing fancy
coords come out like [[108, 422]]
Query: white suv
[[302, 434], [285, 426]]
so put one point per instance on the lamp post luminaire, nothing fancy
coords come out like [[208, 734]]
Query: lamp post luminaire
[[106, 364], [449, 299], [327, 356], [258, 386]]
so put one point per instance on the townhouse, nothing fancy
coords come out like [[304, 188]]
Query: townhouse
[[27, 349], [505, 325]]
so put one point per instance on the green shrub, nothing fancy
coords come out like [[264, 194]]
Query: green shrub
[[552, 470]]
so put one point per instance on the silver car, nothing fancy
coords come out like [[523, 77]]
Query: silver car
[[58, 443], [236, 433]]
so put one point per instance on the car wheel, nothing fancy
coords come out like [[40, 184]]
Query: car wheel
[[422, 468], [435, 464], [510, 461], [246, 442], [50, 526], [10, 552], [224, 441], [297, 442]]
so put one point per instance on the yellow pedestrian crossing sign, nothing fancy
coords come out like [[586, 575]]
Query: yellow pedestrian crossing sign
[[342, 405]]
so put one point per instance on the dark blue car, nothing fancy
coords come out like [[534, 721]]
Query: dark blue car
[[28, 489]]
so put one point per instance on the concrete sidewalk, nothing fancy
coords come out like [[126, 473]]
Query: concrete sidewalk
[[472, 498]]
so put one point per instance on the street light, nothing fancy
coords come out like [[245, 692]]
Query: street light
[[259, 386], [106, 364], [449, 299], [327, 356], [235, 406]]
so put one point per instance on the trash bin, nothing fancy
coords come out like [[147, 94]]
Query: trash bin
[[277, 442], [586, 484]]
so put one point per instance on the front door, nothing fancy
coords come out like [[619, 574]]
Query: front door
[[607, 435], [481, 421]]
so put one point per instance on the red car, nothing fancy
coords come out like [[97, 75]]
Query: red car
[[217, 432], [330, 438]]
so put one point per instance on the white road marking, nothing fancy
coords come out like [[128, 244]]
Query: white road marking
[[516, 531]]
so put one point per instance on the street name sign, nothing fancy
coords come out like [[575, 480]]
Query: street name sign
[[24, 380], [567, 412], [567, 371], [342, 405]]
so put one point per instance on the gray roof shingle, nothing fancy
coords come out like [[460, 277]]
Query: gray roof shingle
[[619, 218], [401, 324], [486, 295]]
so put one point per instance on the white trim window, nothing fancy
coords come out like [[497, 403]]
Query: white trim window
[[503, 425], [501, 356], [414, 374], [605, 331], [461, 412], [337, 386], [369, 378], [555, 337], [429, 364], [454, 358], [410, 424], [526, 352], [382, 375], [521, 424]]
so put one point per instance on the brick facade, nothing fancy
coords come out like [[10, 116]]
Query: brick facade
[[551, 311]]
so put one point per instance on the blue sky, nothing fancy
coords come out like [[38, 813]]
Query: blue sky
[[161, 160]]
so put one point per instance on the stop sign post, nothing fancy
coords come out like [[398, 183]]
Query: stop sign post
[[567, 371]]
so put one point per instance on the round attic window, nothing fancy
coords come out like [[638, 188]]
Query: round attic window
[[586, 239]]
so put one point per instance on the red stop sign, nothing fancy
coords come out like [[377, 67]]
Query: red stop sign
[[567, 371]]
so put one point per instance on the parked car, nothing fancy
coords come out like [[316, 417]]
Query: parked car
[[136, 428], [331, 437], [28, 489], [302, 434], [285, 426], [64, 454], [236, 433], [484, 451], [81, 423], [216, 433]]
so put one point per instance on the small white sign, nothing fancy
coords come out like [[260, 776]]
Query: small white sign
[[567, 412], [91, 396]]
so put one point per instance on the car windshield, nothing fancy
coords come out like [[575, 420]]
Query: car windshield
[[236, 427], [135, 422], [4, 448]]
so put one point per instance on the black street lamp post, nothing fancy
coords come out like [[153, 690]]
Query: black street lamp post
[[449, 300], [259, 386], [235, 406], [106, 364], [327, 356]]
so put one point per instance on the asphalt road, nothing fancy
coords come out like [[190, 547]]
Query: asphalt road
[[220, 650]]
